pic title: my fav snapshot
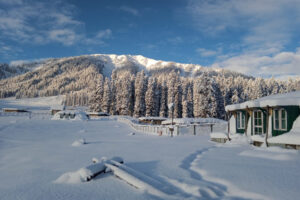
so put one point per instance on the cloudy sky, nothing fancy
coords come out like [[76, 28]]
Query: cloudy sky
[[255, 37]]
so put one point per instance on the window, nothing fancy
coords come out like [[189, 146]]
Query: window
[[240, 120], [258, 122], [280, 119]]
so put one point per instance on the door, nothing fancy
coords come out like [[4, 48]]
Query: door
[[258, 122]]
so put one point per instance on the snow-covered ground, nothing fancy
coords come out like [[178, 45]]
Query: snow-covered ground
[[46, 159], [35, 153], [41, 103]]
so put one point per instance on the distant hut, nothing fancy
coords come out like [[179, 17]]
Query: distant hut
[[57, 108], [13, 110], [97, 114]]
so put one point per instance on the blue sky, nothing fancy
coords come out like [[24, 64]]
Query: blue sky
[[255, 37]]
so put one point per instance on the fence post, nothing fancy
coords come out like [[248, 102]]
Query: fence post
[[194, 129], [211, 128]]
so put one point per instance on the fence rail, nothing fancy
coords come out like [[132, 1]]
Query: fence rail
[[193, 129]]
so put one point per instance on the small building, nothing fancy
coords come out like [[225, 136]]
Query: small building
[[70, 115], [266, 117], [57, 108], [11, 110], [152, 120], [97, 114]]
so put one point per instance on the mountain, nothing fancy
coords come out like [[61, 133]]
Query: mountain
[[138, 86], [63, 75]]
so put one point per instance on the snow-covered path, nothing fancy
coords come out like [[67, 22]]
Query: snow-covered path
[[34, 153]]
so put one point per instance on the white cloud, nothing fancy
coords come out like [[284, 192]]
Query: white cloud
[[262, 30], [99, 38], [130, 10], [206, 52], [104, 34], [64, 36], [175, 40], [42, 22], [259, 22], [283, 64]]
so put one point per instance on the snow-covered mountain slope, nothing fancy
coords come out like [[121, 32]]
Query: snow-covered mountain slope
[[7, 71], [64, 75], [109, 62]]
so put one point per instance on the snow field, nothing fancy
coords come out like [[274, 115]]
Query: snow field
[[34, 153]]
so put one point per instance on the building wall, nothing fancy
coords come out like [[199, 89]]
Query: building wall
[[232, 126]]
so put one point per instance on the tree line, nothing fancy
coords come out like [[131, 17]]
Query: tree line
[[139, 94]]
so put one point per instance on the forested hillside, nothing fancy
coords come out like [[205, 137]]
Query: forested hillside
[[139, 86]]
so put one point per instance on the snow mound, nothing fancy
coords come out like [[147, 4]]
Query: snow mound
[[74, 177], [239, 139], [218, 135], [70, 115], [78, 143], [292, 137], [278, 154]]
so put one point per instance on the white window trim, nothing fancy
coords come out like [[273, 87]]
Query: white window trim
[[262, 122], [279, 119], [240, 119]]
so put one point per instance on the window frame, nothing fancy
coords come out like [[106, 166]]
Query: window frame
[[280, 110], [258, 126], [241, 120]]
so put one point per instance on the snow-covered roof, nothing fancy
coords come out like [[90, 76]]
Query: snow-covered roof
[[153, 118], [291, 98], [193, 120]]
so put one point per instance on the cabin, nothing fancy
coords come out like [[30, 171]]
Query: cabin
[[152, 120], [264, 118], [13, 110], [56, 109]]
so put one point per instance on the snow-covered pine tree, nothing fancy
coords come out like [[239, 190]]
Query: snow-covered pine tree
[[185, 84], [150, 98], [163, 112], [205, 101], [236, 97], [124, 93], [219, 104], [200, 96], [259, 88], [140, 91], [291, 85], [178, 98], [113, 83], [106, 101], [174, 94], [96, 99]]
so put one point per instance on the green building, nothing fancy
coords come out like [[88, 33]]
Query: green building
[[267, 117]]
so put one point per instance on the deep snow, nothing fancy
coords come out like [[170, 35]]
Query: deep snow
[[34, 153]]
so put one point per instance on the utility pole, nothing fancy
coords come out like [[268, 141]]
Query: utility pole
[[171, 106]]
